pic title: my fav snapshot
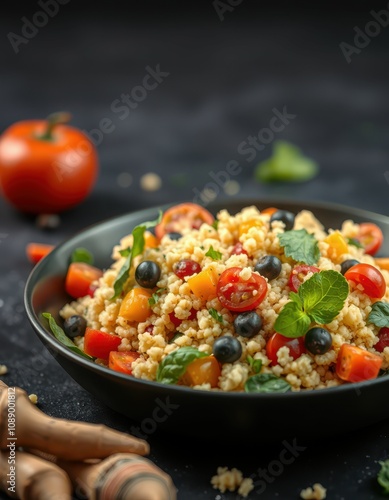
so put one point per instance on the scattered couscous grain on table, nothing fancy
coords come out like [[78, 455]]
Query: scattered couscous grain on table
[[257, 301]]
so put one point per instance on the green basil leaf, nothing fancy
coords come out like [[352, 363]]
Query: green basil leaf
[[354, 242], [214, 254], [383, 475], [323, 295], [82, 255], [286, 164], [155, 297], [137, 248], [379, 314], [125, 252], [216, 315], [292, 321], [60, 335], [300, 245], [266, 382], [174, 365], [215, 224], [255, 364]]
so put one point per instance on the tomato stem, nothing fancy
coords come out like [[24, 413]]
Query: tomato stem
[[52, 121]]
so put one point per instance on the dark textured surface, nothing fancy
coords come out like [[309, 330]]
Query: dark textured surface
[[225, 79]]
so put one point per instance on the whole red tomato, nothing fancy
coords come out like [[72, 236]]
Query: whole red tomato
[[46, 166]]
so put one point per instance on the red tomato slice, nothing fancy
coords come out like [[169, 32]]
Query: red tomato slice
[[371, 237], [79, 278], [122, 361], [369, 277], [355, 364], [99, 344], [36, 251], [298, 274], [184, 215], [276, 341], [177, 321], [237, 294], [383, 341]]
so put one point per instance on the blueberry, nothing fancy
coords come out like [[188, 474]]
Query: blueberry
[[346, 264], [269, 267], [147, 274], [174, 235], [284, 216], [74, 326], [227, 349], [247, 324], [318, 340]]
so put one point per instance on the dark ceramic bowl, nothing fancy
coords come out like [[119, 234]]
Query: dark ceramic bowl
[[235, 416]]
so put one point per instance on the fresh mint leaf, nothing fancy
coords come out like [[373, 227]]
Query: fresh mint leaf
[[215, 315], [319, 300], [255, 364], [286, 164], [323, 295], [383, 475], [379, 314], [214, 254], [82, 255], [354, 242], [137, 248], [155, 297], [174, 365], [300, 245], [60, 335], [266, 382], [292, 321], [125, 252]]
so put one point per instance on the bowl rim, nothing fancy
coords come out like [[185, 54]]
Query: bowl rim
[[48, 338]]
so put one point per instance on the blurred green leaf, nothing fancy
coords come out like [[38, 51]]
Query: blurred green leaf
[[287, 164]]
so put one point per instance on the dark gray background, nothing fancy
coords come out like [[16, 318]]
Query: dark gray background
[[225, 79]]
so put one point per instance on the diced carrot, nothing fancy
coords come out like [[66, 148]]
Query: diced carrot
[[36, 251], [135, 305], [269, 211], [203, 284], [337, 245], [202, 371], [248, 224]]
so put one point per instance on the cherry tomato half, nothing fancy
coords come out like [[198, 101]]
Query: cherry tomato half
[[369, 277], [80, 277], [298, 274], [371, 237], [184, 215], [355, 364], [237, 294], [122, 361], [276, 341]]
